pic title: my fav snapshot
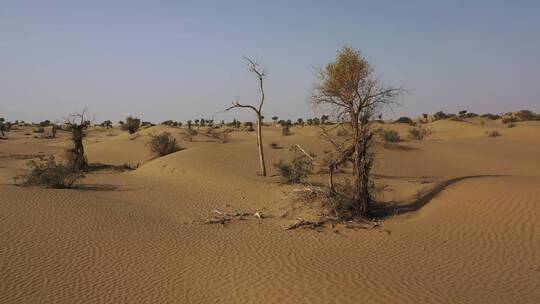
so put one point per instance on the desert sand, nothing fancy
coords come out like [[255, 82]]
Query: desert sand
[[139, 237]]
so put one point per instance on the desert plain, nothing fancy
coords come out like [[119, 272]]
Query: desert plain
[[468, 231]]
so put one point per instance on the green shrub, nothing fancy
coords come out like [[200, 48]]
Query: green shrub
[[404, 119], [132, 124], [491, 116], [390, 136], [163, 144], [48, 173]]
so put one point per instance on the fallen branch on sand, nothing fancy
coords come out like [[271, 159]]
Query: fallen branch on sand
[[308, 224], [356, 224], [222, 217]]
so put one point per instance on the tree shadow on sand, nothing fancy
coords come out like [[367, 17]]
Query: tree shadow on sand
[[393, 208]]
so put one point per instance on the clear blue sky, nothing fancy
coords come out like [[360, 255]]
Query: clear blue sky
[[181, 59]]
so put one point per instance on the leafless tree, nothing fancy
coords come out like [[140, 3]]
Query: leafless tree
[[260, 73], [348, 88], [77, 124]]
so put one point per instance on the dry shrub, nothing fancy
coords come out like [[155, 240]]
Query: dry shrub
[[390, 136], [163, 144], [299, 167], [48, 173], [493, 133], [418, 133], [222, 136], [510, 119], [512, 125]]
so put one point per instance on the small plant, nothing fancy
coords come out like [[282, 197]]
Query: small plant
[[299, 167], [493, 133], [48, 173], [418, 133], [390, 136], [512, 125], [163, 144]]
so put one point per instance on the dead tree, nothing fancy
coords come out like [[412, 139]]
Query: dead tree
[[260, 74], [349, 89], [77, 124]]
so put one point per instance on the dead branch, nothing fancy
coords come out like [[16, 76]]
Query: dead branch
[[223, 217], [306, 224]]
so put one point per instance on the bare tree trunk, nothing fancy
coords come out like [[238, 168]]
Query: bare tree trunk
[[79, 160], [260, 144]]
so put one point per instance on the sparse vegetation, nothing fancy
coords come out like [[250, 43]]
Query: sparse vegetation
[[419, 133], [390, 136], [299, 167], [163, 144], [48, 173]]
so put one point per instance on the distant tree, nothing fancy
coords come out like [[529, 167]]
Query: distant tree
[[132, 124], [461, 113], [300, 122], [260, 74], [107, 124], [324, 119], [275, 119]]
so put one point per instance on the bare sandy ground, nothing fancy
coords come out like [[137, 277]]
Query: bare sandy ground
[[137, 237]]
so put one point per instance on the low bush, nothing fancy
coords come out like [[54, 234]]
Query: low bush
[[404, 119], [490, 116], [390, 136], [493, 133], [418, 133], [297, 169], [525, 115], [48, 173], [509, 119], [163, 144]]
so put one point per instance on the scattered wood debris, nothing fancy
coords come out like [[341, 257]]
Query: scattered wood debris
[[223, 218]]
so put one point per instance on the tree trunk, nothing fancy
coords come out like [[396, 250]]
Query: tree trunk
[[78, 149], [260, 144], [360, 167]]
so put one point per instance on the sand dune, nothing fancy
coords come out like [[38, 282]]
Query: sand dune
[[137, 237]]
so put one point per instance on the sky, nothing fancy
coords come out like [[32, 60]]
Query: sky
[[181, 60]]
